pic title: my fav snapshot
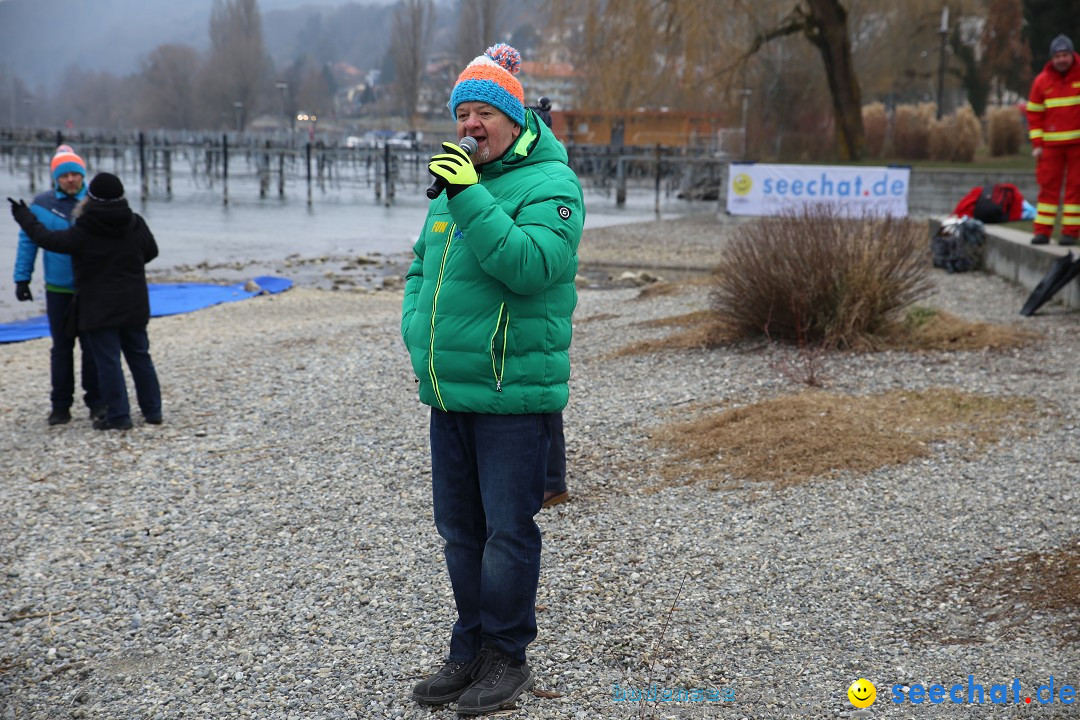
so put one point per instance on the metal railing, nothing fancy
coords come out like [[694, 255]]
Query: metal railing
[[274, 163]]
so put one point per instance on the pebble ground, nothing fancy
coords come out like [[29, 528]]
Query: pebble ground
[[269, 551]]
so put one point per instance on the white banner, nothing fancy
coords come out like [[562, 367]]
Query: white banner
[[759, 189]]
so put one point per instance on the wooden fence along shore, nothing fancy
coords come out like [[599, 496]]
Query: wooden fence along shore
[[273, 164]]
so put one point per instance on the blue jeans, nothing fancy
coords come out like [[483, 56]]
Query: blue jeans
[[556, 462], [487, 474], [62, 358], [107, 344]]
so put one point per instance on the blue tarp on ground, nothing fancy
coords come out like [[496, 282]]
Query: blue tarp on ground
[[171, 299]]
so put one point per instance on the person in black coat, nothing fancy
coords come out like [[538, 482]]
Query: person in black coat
[[109, 246]]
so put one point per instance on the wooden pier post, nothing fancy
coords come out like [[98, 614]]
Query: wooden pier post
[[620, 182], [389, 175], [307, 152], [144, 184], [168, 170], [281, 174], [31, 156], [658, 173], [225, 167]]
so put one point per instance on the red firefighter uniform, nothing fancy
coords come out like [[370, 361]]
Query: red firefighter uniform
[[1053, 112]]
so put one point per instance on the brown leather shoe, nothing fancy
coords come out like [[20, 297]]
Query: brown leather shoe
[[554, 498]]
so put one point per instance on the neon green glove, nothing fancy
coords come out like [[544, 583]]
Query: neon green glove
[[454, 168]]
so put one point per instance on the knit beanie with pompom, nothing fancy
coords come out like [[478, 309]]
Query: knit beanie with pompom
[[490, 79], [65, 161]]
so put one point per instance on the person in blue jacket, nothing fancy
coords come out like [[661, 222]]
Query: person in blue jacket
[[54, 209]]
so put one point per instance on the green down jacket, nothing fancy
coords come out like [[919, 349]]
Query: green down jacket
[[488, 298]]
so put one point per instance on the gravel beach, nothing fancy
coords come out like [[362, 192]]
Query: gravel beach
[[269, 552]]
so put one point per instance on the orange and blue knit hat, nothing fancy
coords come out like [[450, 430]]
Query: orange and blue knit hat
[[490, 79], [65, 161]]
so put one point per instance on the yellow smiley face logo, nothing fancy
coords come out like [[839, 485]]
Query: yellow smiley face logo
[[741, 184], [862, 693]]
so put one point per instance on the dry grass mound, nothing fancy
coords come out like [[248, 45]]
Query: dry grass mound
[[923, 329], [792, 439], [1010, 593], [699, 331], [930, 329]]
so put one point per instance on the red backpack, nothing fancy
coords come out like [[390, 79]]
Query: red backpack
[[1001, 203]]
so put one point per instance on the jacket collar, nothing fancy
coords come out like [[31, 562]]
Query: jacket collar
[[518, 151], [60, 194]]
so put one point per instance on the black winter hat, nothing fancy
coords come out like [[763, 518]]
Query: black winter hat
[[106, 187], [1060, 44]]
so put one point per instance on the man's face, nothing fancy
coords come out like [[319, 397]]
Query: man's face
[[493, 131], [1062, 61], [70, 183]]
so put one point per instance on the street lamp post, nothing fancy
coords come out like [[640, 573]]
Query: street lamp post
[[944, 30], [284, 88], [239, 107]]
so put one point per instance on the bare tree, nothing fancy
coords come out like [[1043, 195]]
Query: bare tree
[[96, 100], [478, 23], [413, 23], [825, 24], [315, 93], [679, 53], [237, 66], [167, 87], [1006, 60]]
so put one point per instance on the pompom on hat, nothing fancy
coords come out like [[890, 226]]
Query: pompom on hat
[[65, 161], [490, 79], [1061, 43], [106, 187]]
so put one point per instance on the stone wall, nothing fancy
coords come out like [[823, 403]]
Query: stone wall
[[935, 192]]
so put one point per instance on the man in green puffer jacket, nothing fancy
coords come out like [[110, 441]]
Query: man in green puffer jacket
[[486, 320]]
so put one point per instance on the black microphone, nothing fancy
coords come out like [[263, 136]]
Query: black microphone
[[437, 185]]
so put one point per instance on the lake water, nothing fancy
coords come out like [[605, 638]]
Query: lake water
[[199, 237]]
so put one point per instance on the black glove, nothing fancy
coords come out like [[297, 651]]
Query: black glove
[[17, 207], [22, 291]]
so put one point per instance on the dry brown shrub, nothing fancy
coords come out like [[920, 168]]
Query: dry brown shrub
[[911, 130], [956, 137], [968, 134], [791, 439], [939, 141], [1010, 592], [875, 128], [1006, 130], [815, 278]]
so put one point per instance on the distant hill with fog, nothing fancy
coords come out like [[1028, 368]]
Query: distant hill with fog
[[40, 39]]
